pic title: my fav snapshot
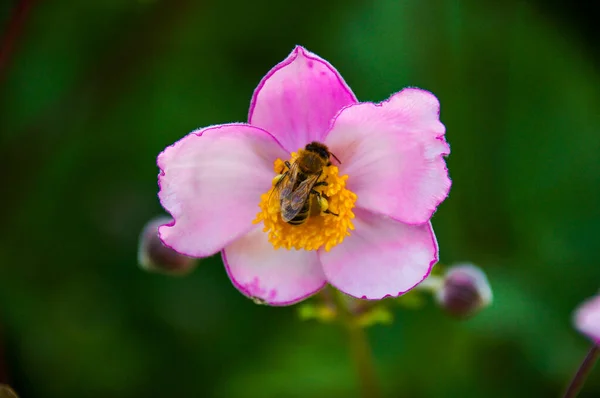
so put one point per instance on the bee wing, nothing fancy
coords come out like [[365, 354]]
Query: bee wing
[[292, 204], [303, 190], [283, 187]]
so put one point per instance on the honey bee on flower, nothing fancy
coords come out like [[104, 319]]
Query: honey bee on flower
[[296, 187], [286, 218]]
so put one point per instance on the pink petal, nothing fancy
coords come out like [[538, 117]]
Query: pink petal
[[297, 100], [382, 257], [393, 153], [211, 181], [277, 277], [587, 318]]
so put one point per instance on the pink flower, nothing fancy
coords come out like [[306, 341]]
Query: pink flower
[[216, 183], [587, 318]]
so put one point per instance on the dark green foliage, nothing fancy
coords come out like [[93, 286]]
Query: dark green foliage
[[96, 89]]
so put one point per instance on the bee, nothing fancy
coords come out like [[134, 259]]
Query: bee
[[295, 185]]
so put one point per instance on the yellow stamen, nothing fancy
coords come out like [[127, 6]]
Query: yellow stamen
[[320, 229]]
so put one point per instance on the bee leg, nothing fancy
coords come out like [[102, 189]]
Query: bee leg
[[320, 184], [277, 178], [287, 164], [323, 203]]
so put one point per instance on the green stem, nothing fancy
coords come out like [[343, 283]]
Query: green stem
[[359, 348], [582, 373]]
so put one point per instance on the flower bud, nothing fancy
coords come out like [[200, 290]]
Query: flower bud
[[154, 256], [7, 392], [465, 291], [587, 318]]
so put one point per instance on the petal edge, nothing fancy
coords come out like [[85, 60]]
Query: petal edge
[[393, 153], [382, 258], [276, 277], [298, 98], [210, 182]]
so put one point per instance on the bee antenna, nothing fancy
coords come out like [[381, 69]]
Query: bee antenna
[[335, 157]]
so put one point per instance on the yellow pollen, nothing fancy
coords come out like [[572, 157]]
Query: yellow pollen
[[320, 229]]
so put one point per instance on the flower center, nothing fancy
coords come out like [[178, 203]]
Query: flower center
[[325, 217]]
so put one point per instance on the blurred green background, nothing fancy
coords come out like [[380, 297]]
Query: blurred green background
[[94, 90]]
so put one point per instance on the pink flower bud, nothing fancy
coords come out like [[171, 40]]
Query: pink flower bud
[[587, 318], [465, 291], [154, 256]]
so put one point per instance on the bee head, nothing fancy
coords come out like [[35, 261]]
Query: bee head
[[319, 149]]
